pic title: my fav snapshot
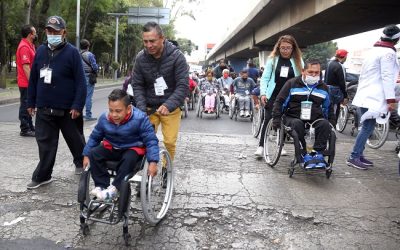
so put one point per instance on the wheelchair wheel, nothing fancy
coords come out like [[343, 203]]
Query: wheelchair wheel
[[342, 119], [258, 117], [156, 192], [232, 108], [273, 144], [378, 136], [186, 108], [199, 106]]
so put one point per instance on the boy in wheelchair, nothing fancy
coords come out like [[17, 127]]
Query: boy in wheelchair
[[305, 99], [127, 135], [242, 87]]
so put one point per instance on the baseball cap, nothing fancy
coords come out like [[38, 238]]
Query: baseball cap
[[341, 53], [55, 22]]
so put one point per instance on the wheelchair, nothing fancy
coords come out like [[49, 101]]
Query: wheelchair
[[155, 196], [185, 109], [193, 97], [200, 106], [234, 108], [274, 141]]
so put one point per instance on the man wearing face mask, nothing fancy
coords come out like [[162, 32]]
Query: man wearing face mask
[[242, 87], [220, 67], [306, 99], [56, 93], [24, 59]]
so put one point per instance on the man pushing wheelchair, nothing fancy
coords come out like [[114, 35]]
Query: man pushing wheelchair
[[304, 101]]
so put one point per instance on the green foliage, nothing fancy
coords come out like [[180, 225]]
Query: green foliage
[[321, 51], [186, 45], [115, 65]]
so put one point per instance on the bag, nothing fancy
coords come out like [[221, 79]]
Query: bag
[[92, 78]]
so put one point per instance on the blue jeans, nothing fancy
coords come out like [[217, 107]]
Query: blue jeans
[[89, 95], [367, 128]]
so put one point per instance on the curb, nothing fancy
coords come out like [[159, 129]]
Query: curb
[[16, 99]]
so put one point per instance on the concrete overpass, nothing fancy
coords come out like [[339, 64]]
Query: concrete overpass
[[309, 21]]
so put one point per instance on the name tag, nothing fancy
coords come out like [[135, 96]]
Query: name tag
[[284, 71], [47, 76], [305, 110]]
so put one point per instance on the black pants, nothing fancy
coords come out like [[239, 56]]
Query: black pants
[[47, 133], [267, 116], [24, 117], [322, 132], [127, 164]]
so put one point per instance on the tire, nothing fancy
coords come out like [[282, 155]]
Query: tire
[[186, 109], [198, 106], [273, 144], [378, 136], [258, 118], [232, 106], [342, 119], [156, 192]]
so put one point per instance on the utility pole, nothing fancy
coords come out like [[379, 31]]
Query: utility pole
[[78, 20], [28, 16]]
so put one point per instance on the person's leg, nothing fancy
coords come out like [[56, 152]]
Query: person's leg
[[98, 156], [322, 133], [267, 117], [246, 102], [298, 126], [25, 119], [367, 128], [126, 166], [212, 102], [170, 128], [89, 96], [72, 136], [155, 120], [47, 133], [207, 102], [241, 101]]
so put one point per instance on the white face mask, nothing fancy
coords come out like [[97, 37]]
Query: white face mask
[[311, 80]]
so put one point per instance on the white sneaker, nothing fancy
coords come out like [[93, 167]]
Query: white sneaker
[[241, 114], [283, 152], [247, 113], [109, 194], [259, 152], [96, 192]]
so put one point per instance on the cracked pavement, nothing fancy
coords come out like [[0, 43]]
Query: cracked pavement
[[224, 199]]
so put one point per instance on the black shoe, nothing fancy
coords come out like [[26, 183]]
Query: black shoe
[[78, 171], [27, 133], [35, 184]]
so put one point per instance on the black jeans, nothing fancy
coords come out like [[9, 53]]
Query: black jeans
[[267, 116], [24, 117], [127, 164], [47, 134], [322, 132]]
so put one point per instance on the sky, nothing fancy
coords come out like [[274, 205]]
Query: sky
[[215, 19]]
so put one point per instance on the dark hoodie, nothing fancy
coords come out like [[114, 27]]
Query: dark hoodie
[[172, 67]]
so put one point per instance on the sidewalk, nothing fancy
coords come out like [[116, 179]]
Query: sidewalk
[[11, 95]]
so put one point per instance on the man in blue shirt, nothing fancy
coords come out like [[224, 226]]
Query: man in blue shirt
[[90, 67], [242, 87], [56, 93]]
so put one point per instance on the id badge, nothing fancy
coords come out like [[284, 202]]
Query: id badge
[[47, 76], [305, 110], [284, 71], [43, 72], [160, 81], [159, 89], [247, 92]]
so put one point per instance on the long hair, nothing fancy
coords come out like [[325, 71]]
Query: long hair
[[296, 52]]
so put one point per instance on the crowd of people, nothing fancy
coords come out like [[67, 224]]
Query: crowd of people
[[56, 82]]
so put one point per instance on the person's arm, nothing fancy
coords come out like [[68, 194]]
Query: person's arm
[[266, 76], [32, 86], [282, 97], [388, 76], [182, 84], [327, 109], [138, 85], [341, 79], [93, 63], [95, 138], [80, 84]]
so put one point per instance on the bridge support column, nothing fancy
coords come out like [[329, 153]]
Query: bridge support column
[[238, 63], [263, 56]]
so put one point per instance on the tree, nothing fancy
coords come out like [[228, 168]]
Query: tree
[[321, 51], [186, 45]]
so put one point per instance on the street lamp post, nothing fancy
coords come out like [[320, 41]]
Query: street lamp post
[[78, 17]]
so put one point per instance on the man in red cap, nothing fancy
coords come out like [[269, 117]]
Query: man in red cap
[[335, 78]]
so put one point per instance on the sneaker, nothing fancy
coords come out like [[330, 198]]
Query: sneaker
[[247, 113], [35, 184], [306, 159], [78, 170], [96, 192], [356, 163], [109, 194], [29, 133], [259, 152], [88, 119], [241, 114], [283, 152], [366, 162]]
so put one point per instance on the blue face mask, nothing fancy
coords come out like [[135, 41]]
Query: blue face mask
[[54, 40]]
